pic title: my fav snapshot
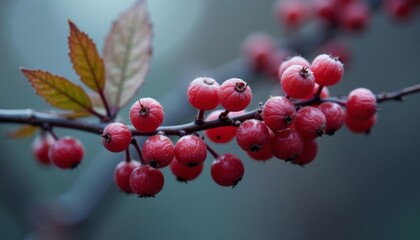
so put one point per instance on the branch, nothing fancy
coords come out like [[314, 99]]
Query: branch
[[32, 117]]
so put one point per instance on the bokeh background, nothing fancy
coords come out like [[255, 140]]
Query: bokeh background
[[359, 187]]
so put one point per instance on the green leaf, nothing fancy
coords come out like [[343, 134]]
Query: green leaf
[[85, 58], [22, 132], [58, 91], [127, 53]]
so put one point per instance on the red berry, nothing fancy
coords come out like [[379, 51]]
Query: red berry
[[203, 93], [252, 135], [327, 70], [361, 104], [278, 113], [398, 9], [257, 49], [310, 123], [190, 150], [184, 173], [146, 115], [146, 181], [297, 81], [295, 60], [355, 16], [227, 170], [66, 152], [286, 144], [326, 9], [235, 94], [220, 134], [310, 149], [334, 114], [360, 125], [158, 151], [116, 137], [41, 146], [122, 174], [291, 13]]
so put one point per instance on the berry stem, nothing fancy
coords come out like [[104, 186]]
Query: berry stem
[[137, 147], [199, 119], [127, 155], [211, 151], [106, 105]]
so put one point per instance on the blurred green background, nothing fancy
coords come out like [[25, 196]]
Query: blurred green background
[[359, 187]]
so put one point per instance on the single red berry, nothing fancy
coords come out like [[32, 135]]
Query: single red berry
[[122, 174], [310, 149], [220, 134], [291, 13], [252, 135], [324, 93], [295, 60], [286, 144], [361, 104], [41, 146], [355, 16], [158, 151], [278, 113], [203, 93], [326, 10], [146, 181], [297, 81], [235, 94], [399, 9], [146, 115], [257, 49], [116, 137], [334, 114], [327, 70], [190, 150], [360, 125], [184, 173], [310, 123], [227, 170], [67, 152]]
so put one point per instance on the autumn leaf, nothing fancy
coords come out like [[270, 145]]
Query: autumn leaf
[[127, 54], [22, 132], [58, 91], [85, 58]]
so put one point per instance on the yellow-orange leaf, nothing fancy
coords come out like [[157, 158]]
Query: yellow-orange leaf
[[22, 132], [58, 91], [127, 54], [85, 58]]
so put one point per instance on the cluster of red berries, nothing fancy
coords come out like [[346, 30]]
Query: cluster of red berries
[[285, 127]]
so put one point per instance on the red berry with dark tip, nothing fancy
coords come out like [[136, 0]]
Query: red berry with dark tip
[[122, 174], [286, 144], [257, 49], [297, 81], [203, 93], [116, 137], [235, 94], [327, 70], [361, 104], [146, 115], [67, 152], [334, 114], [252, 135], [310, 123], [146, 181], [184, 173], [40, 148], [278, 113], [227, 170], [291, 13], [158, 151], [355, 16], [190, 150], [295, 60], [310, 149]]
